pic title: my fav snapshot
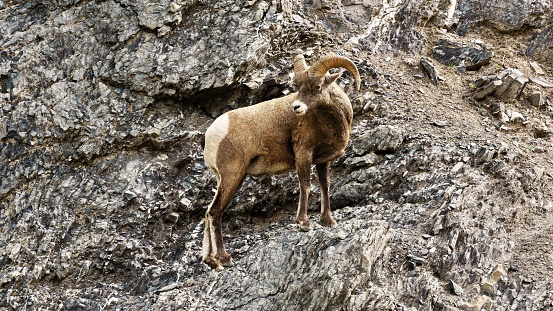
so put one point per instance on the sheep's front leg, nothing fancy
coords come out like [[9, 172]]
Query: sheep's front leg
[[323, 172], [303, 167]]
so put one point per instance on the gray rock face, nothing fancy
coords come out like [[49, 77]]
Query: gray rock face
[[507, 85], [382, 138], [540, 46], [430, 70], [357, 244], [103, 187], [504, 16], [464, 57], [195, 58]]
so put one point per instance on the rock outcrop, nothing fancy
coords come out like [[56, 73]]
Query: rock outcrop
[[461, 56], [103, 187]]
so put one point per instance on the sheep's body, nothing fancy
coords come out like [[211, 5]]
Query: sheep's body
[[274, 154], [274, 137], [268, 156]]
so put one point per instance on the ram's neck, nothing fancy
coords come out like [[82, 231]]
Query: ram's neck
[[341, 105]]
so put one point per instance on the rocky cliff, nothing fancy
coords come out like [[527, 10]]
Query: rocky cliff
[[443, 199]]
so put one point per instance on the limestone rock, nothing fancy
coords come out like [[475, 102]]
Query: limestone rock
[[462, 56], [430, 70], [535, 97], [473, 12], [381, 138], [507, 85]]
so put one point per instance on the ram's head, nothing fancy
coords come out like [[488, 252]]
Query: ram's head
[[315, 84]]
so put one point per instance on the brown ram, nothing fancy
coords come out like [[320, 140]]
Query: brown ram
[[277, 136]]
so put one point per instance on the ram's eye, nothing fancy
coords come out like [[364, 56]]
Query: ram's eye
[[317, 88]]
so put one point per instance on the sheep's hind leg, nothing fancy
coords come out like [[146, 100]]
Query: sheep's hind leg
[[208, 249], [209, 245], [225, 191], [323, 172]]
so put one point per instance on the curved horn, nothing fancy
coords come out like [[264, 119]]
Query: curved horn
[[300, 67], [299, 64], [325, 63]]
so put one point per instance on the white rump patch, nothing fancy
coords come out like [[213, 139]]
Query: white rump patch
[[300, 108], [214, 135]]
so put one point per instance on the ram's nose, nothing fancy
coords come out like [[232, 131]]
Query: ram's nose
[[299, 107]]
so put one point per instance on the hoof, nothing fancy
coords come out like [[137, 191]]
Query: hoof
[[228, 264], [305, 228], [305, 224], [213, 263], [226, 261], [328, 221]]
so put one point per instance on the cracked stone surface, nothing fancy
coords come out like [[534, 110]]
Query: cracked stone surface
[[440, 202]]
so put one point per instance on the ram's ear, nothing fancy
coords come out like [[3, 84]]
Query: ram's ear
[[332, 78]]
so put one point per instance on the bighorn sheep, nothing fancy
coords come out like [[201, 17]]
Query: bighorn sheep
[[277, 136]]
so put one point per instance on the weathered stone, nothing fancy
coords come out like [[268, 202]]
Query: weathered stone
[[539, 47], [513, 84], [366, 160], [536, 68], [360, 102], [438, 225], [507, 85], [535, 97], [487, 89], [541, 82], [455, 288], [516, 117], [103, 189], [498, 166], [417, 258], [381, 138], [439, 123], [498, 109], [430, 70], [457, 168], [462, 56], [349, 194]]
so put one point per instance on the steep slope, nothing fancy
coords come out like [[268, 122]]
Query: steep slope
[[440, 203]]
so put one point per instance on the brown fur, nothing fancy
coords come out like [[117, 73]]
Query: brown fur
[[269, 138]]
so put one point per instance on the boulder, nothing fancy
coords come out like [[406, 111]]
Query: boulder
[[461, 56], [383, 138], [514, 82], [430, 70], [507, 85], [535, 96]]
